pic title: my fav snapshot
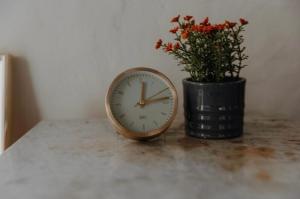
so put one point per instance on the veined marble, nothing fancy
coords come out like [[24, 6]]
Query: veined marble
[[87, 159]]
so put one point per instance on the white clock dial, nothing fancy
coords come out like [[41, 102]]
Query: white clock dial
[[142, 117], [142, 101]]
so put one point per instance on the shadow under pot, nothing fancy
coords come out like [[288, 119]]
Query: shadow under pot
[[214, 110]]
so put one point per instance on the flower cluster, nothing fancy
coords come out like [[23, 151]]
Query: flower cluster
[[209, 52]]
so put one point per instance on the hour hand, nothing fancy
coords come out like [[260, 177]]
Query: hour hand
[[141, 102], [142, 98]]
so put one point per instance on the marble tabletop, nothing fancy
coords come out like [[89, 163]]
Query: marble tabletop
[[87, 159]]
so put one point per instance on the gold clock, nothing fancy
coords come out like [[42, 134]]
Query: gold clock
[[141, 103]]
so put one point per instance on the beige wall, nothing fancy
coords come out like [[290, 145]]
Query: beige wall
[[68, 51]]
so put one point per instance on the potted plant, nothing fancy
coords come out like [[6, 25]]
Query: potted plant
[[214, 93]]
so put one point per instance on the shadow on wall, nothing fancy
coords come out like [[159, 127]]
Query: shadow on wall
[[24, 108]]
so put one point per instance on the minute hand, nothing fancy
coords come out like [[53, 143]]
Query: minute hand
[[155, 100], [159, 92]]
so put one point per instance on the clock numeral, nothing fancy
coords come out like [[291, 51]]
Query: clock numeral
[[122, 115], [163, 113], [131, 124], [120, 92], [142, 117], [155, 123]]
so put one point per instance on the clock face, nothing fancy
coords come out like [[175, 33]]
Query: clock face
[[141, 102]]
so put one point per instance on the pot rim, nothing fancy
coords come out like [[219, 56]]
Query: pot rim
[[240, 80]]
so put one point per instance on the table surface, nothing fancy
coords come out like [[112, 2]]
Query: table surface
[[87, 159]]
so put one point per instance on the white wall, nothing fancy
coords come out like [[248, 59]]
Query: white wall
[[68, 51]]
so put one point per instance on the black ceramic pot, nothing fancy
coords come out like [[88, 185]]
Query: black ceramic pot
[[214, 110]]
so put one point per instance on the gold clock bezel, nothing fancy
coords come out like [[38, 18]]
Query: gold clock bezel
[[140, 135]]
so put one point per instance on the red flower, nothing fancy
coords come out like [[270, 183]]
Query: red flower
[[174, 30], [219, 27], [200, 28], [169, 47], [158, 44], [205, 21], [195, 28], [184, 25], [185, 34], [243, 21], [230, 24], [175, 19], [208, 29], [187, 17], [176, 46]]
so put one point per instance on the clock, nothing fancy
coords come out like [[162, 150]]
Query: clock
[[141, 103]]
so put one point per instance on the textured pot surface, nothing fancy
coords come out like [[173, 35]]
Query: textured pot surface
[[214, 110]]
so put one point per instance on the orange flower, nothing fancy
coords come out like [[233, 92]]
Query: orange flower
[[243, 21], [208, 29], [176, 46], [219, 27], [230, 24], [174, 30], [187, 17], [185, 34], [158, 44], [169, 47], [184, 25], [205, 21], [175, 19], [195, 28]]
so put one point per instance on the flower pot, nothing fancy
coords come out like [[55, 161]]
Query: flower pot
[[214, 110]]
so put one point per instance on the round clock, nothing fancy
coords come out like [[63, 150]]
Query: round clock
[[141, 103]]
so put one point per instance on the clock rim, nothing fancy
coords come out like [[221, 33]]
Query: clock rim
[[134, 134]]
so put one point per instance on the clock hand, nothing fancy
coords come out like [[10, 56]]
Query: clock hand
[[159, 92], [156, 100], [142, 93], [141, 102]]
